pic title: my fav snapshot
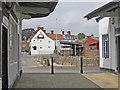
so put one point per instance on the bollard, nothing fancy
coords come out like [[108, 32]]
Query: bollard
[[81, 64], [52, 70]]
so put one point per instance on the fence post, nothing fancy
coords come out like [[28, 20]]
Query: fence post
[[81, 64], [52, 68]]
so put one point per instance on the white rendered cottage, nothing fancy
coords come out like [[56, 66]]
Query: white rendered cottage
[[41, 44]]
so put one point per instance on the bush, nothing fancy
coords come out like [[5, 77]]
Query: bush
[[26, 50]]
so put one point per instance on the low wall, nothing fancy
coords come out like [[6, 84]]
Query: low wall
[[76, 60], [36, 59], [63, 60]]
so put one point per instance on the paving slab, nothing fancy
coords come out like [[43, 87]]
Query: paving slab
[[104, 80], [72, 81], [55, 81]]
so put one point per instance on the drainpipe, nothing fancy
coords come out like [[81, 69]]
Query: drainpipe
[[0, 38], [56, 35]]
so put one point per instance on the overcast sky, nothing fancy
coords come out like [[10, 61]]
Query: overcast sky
[[70, 17]]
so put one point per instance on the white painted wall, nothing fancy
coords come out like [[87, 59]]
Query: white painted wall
[[13, 63], [44, 43], [105, 27]]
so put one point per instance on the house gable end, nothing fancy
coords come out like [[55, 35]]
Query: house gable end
[[42, 33]]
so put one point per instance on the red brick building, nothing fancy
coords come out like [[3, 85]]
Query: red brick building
[[91, 47]]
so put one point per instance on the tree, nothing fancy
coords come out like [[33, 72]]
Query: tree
[[81, 36]]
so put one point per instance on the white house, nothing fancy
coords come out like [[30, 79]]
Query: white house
[[109, 35], [42, 44], [45, 43]]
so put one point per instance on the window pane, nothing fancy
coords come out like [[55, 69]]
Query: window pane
[[105, 46]]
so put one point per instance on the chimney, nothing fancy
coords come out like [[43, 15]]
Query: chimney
[[52, 32], [76, 40], [38, 28], [42, 28], [44, 31], [69, 33], [92, 35], [62, 32]]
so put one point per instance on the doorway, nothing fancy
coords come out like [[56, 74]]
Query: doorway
[[4, 58]]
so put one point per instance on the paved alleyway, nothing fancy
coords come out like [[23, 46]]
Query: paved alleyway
[[90, 80], [38, 76], [55, 81]]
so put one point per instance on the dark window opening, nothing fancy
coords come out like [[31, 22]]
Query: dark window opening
[[48, 46], [34, 48]]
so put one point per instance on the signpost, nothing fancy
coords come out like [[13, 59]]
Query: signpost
[[81, 61], [52, 67]]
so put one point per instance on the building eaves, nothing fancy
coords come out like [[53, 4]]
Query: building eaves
[[49, 6], [106, 8], [70, 43], [91, 41]]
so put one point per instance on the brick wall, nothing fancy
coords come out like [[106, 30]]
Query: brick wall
[[75, 60], [66, 52], [91, 51]]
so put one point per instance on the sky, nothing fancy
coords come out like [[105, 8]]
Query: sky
[[70, 17]]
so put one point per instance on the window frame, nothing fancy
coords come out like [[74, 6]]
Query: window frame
[[105, 46]]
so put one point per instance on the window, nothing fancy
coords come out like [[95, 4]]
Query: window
[[40, 36], [105, 46], [48, 46], [34, 48]]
